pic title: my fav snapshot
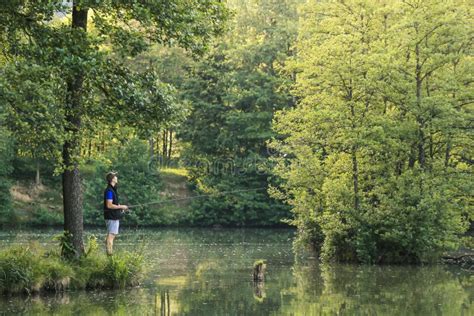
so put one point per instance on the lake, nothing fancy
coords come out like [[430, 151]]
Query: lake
[[194, 271]]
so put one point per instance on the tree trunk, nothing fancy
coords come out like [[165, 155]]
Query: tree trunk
[[151, 143], [72, 193], [259, 271], [157, 149], [421, 134], [72, 201], [355, 178], [412, 157], [38, 179], [165, 146], [171, 145]]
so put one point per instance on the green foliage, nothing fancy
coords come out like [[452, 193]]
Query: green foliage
[[234, 93], [27, 269], [16, 270], [63, 75], [49, 54], [65, 244], [45, 217], [35, 116], [6, 156], [96, 270], [25, 168], [121, 270], [33, 269], [94, 179], [375, 156], [259, 262], [138, 184], [92, 246]]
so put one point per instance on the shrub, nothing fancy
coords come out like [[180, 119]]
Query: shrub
[[139, 183], [124, 270], [34, 268], [43, 216], [17, 271], [99, 271]]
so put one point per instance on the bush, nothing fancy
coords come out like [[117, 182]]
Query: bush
[[138, 183], [231, 200], [96, 270], [17, 271], [30, 270], [118, 271], [121, 271], [34, 269], [43, 216]]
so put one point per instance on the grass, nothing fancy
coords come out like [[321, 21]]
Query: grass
[[36, 269], [175, 188], [175, 171]]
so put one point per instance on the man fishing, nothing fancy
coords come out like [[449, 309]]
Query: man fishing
[[113, 211]]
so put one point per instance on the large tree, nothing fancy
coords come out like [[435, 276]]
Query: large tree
[[376, 157], [234, 93], [77, 54]]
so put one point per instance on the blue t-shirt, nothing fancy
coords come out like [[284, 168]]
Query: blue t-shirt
[[109, 195]]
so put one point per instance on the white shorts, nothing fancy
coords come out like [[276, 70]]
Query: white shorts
[[112, 226]]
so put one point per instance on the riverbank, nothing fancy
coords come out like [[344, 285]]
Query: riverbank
[[37, 268]]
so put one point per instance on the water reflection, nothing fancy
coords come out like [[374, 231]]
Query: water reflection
[[379, 290], [259, 291], [207, 272], [164, 303], [131, 302]]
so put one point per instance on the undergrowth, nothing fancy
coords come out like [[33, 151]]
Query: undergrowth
[[35, 268]]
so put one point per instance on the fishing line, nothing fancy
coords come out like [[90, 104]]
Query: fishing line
[[196, 197]]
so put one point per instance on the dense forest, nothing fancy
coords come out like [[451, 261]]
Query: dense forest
[[350, 120], [377, 154]]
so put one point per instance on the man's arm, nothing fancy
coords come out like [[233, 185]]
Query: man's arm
[[112, 206]]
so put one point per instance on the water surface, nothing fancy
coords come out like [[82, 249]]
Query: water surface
[[208, 272]]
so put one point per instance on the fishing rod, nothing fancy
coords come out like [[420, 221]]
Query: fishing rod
[[195, 197]]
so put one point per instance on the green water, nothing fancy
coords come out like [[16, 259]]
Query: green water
[[208, 272]]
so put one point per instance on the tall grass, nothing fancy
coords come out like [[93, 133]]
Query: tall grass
[[35, 268]]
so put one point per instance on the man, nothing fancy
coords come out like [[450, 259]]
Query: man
[[113, 211]]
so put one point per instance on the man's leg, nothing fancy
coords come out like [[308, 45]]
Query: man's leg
[[110, 243]]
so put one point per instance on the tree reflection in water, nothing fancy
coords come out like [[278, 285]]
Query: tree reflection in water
[[202, 272], [305, 289]]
